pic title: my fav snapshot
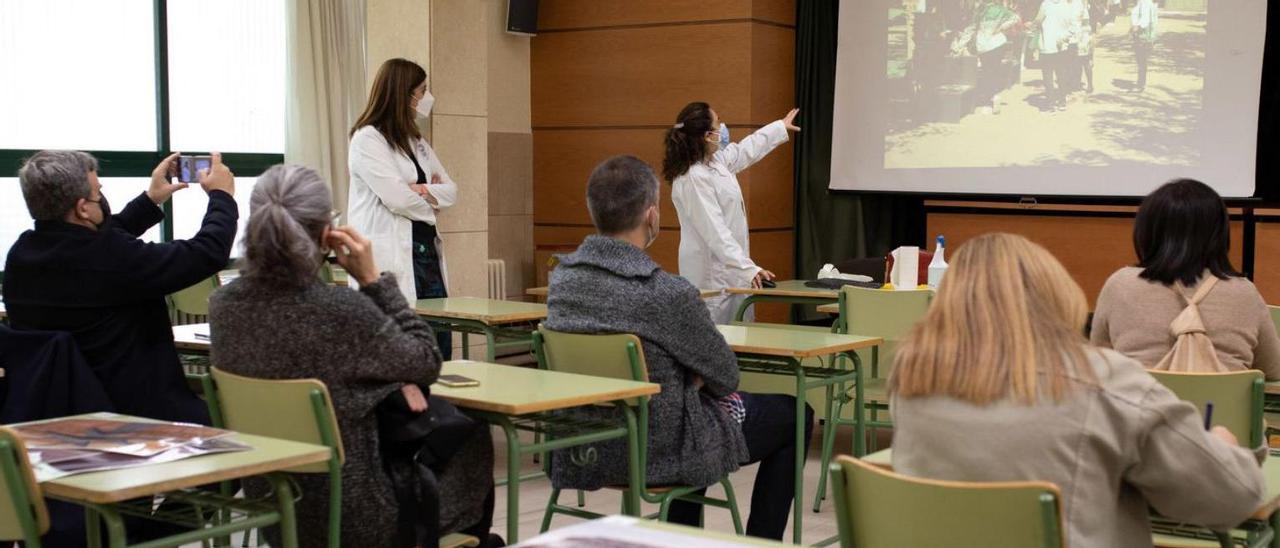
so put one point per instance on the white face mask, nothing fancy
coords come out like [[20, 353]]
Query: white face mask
[[424, 106]]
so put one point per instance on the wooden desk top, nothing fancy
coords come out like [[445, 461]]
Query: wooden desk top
[[1272, 387], [787, 343], [544, 290], [488, 311], [267, 455], [788, 288], [512, 390], [1270, 473], [184, 337]]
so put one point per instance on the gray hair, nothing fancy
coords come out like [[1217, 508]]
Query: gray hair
[[619, 190], [54, 180], [289, 209]]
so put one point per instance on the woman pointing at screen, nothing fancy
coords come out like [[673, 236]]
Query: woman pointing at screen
[[701, 164]]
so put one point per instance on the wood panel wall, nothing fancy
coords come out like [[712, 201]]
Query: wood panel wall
[[1094, 241], [609, 76]]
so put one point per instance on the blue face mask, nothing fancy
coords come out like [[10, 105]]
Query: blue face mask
[[724, 136]]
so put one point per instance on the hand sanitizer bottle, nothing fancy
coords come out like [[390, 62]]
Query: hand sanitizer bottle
[[938, 266]]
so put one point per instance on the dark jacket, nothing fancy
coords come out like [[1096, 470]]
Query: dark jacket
[[610, 286], [364, 345], [107, 287], [45, 377]]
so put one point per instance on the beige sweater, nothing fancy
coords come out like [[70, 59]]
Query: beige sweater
[[1133, 317], [1112, 448]]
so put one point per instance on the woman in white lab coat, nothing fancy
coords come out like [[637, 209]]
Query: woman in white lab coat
[[398, 184], [701, 164]]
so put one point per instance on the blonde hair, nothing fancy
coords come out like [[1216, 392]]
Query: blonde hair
[[1006, 315]]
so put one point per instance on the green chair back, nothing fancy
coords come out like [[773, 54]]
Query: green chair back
[[290, 409], [1237, 399], [1275, 316], [876, 507], [191, 305], [23, 515], [880, 313], [619, 356]]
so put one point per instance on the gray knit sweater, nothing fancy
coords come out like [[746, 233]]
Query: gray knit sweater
[[363, 345], [610, 286]]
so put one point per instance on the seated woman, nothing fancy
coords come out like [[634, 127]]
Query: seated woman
[[700, 428], [1182, 238], [279, 321], [997, 383]]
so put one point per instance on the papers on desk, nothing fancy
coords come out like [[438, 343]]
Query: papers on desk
[[625, 532], [63, 447]]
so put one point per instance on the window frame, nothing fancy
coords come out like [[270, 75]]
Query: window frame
[[140, 163]]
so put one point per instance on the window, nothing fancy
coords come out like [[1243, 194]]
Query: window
[[190, 204], [86, 75]]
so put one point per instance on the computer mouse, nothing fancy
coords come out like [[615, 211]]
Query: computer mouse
[[768, 284]]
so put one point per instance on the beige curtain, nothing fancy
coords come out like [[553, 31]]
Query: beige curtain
[[325, 86]]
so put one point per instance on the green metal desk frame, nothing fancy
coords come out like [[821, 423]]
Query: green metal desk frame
[[559, 432], [515, 336], [244, 515], [753, 299], [807, 378]]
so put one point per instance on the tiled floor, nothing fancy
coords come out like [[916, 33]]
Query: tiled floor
[[534, 494]]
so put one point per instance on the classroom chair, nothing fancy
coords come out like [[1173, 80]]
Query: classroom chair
[[191, 305], [296, 409], [871, 313], [618, 356], [1237, 405], [876, 507], [23, 516]]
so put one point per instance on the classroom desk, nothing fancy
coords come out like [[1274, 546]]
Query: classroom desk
[[780, 352], [787, 291], [833, 308], [619, 530], [489, 317], [106, 495], [521, 398], [1268, 513], [186, 341], [544, 290], [1271, 397]]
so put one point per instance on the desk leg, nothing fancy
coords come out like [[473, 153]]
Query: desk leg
[[513, 481], [115, 526], [491, 345], [797, 510], [284, 500], [466, 346], [631, 498], [92, 528], [859, 422]]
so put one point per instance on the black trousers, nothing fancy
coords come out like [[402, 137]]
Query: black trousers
[[1142, 55], [428, 280], [770, 432]]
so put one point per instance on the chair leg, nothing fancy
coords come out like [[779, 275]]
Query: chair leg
[[582, 499], [828, 443], [550, 511], [732, 499]]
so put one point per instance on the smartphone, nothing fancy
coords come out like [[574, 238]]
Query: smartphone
[[189, 167], [457, 381]]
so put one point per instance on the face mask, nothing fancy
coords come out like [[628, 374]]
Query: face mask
[[424, 106], [724, 136], [106, 210]]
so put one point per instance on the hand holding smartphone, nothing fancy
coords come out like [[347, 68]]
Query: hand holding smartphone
[[188, 167]]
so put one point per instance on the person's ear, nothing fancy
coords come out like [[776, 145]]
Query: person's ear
[[82, 210]]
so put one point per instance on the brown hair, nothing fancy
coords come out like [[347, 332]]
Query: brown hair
[[389, 109], [1007, 313], [686, 141]]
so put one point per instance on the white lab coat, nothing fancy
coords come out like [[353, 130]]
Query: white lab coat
[[715, 252], [382, 207]]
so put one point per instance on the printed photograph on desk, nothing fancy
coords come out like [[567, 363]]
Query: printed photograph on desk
[[71, 446], [991, 83]]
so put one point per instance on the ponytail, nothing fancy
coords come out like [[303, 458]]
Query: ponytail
[[289, 208], [685, 141]]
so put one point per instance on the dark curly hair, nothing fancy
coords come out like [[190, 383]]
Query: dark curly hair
[[686, 143]]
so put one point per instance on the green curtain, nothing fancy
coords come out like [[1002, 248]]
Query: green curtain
[[831, 227]]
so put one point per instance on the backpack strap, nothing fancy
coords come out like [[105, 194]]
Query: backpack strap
[[1205, 287]]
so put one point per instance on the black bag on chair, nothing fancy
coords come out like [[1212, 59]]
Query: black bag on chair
[[414, 446]]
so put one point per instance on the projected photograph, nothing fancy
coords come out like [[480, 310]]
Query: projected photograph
[[990, 83]]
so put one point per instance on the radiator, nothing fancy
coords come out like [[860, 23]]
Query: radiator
[[497, 269]]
